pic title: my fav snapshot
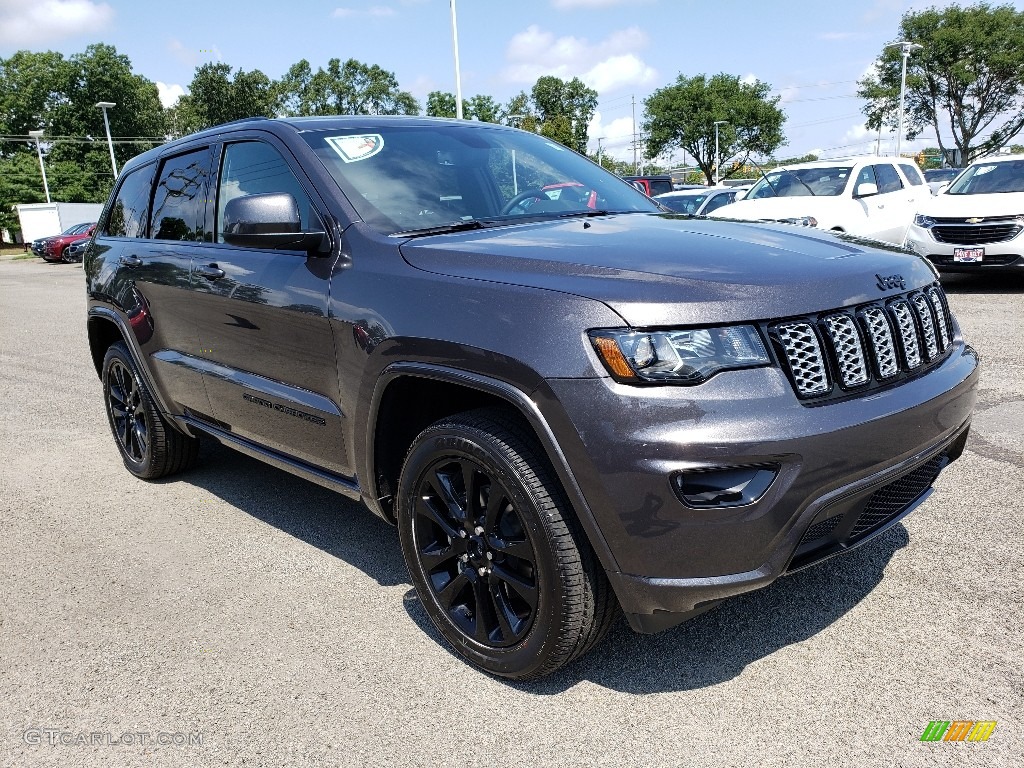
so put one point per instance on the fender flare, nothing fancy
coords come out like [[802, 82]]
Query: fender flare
[[526, 407]]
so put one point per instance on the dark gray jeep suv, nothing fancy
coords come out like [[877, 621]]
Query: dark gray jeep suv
[[569, 400]]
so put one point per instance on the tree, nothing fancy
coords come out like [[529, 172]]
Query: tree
[[518, 113], [349, 88], [968, 79], [564, 110], [46, 91], [683, 116], [441, 104], [215, 97]]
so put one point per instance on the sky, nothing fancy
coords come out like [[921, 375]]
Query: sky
[[810, 53]]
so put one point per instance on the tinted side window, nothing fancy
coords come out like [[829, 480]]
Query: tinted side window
[[182, 192], [719, 200], [912, 173], [866, 176], [253, 168], [888, 179], [130, 211]]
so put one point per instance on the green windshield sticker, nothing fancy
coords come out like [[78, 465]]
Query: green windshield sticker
[[352, 149]]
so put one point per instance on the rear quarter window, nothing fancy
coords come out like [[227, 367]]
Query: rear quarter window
[[129, 213], [912, 173]]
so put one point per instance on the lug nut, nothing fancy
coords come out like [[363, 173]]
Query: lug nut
[[490, 556], [482, 571], [463, 534], [479, 529], [464, 558]]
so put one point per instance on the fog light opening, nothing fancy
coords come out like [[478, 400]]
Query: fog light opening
[[725, 487]]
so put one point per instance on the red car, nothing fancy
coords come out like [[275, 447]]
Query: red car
[[56, 248]]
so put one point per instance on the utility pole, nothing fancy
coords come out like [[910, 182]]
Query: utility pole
[[599, 140], [458, 75], [907, 48], [636, 167]]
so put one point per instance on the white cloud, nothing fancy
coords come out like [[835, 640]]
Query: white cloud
[[169, 94], [46, 21], [607, 65], [376, 11], [836, 36], [616, 136], [749, 79], [192, 57]]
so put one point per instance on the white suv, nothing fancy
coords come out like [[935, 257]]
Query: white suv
[[873, 197], [977, 223]]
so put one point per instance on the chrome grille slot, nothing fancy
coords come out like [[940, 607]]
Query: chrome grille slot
[[882, 344], [908, 333], [803, 352], [852, 368], [935, 295], [924, 314], [843, 352]]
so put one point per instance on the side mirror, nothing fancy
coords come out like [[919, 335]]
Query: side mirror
[[268, 221], [865, 189]]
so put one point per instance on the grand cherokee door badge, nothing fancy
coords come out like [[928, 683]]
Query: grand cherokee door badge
[[285, 409]]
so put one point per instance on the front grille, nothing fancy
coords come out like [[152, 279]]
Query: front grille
[[892, 499], [975, 234], [821, 530], [864, 347]]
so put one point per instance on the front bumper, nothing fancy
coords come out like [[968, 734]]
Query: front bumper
[[671, 561], [1007, 255]]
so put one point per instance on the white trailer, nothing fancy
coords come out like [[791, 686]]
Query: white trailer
[[46, 219]]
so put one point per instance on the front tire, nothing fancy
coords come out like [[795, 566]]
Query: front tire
[[493, 549], [150, 447]]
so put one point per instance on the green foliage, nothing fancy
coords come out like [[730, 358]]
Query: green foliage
[[349, 88], [563, 110], [46, 91], [215, 97], [480, 107], [967, 80], [683, 116]]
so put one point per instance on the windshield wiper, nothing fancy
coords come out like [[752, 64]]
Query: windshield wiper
[[444, 229], [588, 213]]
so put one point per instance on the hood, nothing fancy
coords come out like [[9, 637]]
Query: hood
[[777, 208], [662, 270], [988, 206]]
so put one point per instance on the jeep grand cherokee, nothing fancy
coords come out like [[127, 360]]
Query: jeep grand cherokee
[[569, 406]]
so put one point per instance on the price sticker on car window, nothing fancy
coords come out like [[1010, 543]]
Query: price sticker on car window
[[352, 149]]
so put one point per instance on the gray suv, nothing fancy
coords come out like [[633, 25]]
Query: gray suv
[[571, 402]]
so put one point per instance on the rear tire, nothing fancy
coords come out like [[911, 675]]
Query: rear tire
[[494, 551], [150, 446]]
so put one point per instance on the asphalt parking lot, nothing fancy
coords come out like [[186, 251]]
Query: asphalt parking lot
[[245, 616]]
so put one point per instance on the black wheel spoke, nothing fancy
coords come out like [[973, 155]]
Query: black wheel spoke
[[442, 487], [481, 631], [425, 507], [519, 549], [496, 502], [501, 611], [140, 438], [433, 559], [451, 590], [469, 482], [524, 588]]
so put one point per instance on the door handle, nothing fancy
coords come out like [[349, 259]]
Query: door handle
[[131, 261], [210, 271]]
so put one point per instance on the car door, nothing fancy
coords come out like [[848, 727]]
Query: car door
[[152, 229], [271, 371], [889, 212]]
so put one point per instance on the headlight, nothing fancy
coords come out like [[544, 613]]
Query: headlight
[[803, 221], [924, 222], [679, 357]]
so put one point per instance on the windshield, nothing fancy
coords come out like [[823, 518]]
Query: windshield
[[990, 178], [802, 182], [682, 203], [419, 177]]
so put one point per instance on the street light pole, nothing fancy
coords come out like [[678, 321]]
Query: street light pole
[[718, 157], [458, 76], [599, 140], [907, 48], [46, 187], [105, 105]]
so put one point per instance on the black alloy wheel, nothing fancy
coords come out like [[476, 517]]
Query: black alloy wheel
[[149, 444], [124, 402], [474, 551], [494, 550]]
